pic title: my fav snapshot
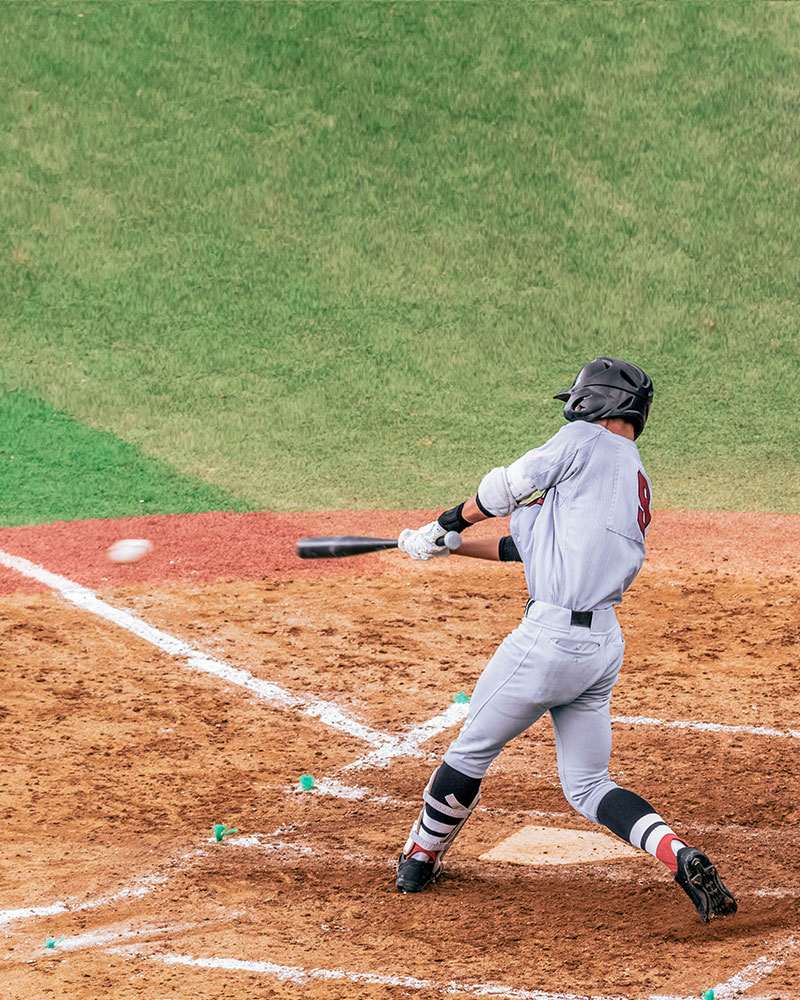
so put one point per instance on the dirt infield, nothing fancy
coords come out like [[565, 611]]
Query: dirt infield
[[126, 744]]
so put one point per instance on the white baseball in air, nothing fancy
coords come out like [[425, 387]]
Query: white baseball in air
[[452, 539], [128, 550]]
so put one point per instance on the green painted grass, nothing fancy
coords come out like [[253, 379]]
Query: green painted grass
[[342, 255], [53, 468]]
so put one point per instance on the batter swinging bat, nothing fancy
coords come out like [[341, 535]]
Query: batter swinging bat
[[335, 546]]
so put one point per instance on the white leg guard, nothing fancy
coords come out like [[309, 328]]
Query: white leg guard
[[438, 823]]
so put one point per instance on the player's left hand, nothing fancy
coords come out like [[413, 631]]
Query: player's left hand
[[421, 543]]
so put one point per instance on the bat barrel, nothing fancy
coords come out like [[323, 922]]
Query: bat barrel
[[336, 546]]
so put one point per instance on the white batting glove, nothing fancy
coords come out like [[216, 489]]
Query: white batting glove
[[421, 543]]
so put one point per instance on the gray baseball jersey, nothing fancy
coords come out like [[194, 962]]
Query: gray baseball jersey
[[583, 543]]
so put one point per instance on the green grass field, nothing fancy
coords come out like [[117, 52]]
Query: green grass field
[[299, 256], [61, 469]]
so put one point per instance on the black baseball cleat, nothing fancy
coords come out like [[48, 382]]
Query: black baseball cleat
[[698, 878], [418, 871]]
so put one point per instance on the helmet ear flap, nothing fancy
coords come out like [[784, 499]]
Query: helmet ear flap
[[577, 403]]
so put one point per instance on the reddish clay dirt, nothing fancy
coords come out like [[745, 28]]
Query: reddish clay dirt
[[202, 548], [120, 758]]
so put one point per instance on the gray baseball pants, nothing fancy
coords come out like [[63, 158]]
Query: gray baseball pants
[[547, 664]]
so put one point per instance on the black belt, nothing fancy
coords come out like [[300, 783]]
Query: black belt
[[583, 619]]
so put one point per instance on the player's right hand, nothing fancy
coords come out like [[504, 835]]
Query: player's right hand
[[420, 543]]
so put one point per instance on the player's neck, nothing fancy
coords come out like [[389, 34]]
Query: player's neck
[[618, 426]]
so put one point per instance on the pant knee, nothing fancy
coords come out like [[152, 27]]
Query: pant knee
[[585, 796], [578, 801], [474, 764]]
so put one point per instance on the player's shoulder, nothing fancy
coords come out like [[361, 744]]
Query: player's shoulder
[[580, 430], [592, 439], [576, 434]]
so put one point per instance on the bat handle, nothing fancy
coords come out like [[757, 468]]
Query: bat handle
[[452, 540]]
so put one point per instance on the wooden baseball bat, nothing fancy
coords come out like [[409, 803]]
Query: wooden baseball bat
[[336, 546]]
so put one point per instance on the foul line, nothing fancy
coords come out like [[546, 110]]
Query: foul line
[[386, 747], [83, 598]]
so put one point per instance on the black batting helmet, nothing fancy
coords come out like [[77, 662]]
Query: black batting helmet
[[608, 387]]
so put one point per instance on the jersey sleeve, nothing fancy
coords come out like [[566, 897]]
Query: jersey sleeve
[[503, 489]]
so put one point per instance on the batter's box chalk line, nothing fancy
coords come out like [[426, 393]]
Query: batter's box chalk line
[[144, 886], [385, 748], [270, 843], [739, 983], [706, 727], [303, 976], [121, 932]]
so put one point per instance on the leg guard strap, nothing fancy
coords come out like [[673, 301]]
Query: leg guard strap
[[452, 808]]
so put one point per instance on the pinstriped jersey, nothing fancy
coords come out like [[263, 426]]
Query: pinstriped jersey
[[583, 542]]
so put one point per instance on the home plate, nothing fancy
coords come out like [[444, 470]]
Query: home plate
[[546, 845]]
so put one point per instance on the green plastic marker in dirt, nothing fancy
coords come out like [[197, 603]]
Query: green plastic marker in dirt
[[306, 782], [51, 942], [708, 995], [221, 831], [461, 698]]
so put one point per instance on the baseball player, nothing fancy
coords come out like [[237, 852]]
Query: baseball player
[[582, 542]]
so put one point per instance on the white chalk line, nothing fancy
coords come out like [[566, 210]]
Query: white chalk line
[[301, 976], [337, 789], [101, 938], [409, 745], [145, 885], [741, 981], [114, 935], [744, 979], [327, 712], [754, 973], [386, 747], [265, 842], [269, 845], [707, 727]]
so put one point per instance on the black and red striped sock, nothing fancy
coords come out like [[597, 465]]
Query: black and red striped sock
[[632, 818]]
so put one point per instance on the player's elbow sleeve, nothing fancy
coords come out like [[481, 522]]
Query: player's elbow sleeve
[[507, 550], [502, 489], [494, 494]]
